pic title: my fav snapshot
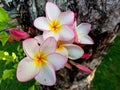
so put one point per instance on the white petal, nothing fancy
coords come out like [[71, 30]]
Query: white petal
[[31, 47], [41, 23], [57, 60], [62, 51], [46, 75], [66, 34], [85, 39], [26, 70], [49, 45], [83, 28], [39, 38], [52, 11], [74, 51], [50, 34], [66, 17]]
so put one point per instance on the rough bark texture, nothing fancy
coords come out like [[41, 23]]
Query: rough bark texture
[[104, 15]]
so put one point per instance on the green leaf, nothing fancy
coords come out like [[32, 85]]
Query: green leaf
[[3, 18], [3, 37], [32, 87], [3, 15], [8, 74], [0, 80], [2, 25], [1, 55], [9, 59], [15, 66]]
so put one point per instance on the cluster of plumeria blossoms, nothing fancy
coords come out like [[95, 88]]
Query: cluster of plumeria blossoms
[[50, 52]]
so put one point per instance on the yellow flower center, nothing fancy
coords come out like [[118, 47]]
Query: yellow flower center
[[55, 26], [40, 59], [60, 45]]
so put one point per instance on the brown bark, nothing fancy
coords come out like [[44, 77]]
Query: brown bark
[[104, 16]]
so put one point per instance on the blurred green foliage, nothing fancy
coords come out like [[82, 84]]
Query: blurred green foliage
[[10, 55], [107, 76], [4, 18]]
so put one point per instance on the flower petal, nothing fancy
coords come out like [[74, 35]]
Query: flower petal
[[50, 34], [46, 75], [49, 45], [41, 23], [26, 70], [83, 68], [19, 34], [67, 65], [30, 47], [66, 34], [66, 17], [62, 51], [84, 39], [39, 38], [52, 11], [83, 28], [57, 60], [74, 51], [86, 56]]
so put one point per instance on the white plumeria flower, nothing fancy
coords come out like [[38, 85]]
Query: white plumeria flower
[[56, 23], [67, 49], [41, 61], [82, 31]]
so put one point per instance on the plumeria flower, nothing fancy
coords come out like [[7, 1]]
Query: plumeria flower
[[41, 62], [56, 24], [82, 31], [67, 49]]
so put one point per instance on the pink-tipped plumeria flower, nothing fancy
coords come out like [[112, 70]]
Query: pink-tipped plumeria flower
[[56, 24], [82, 31], [41, 61], [67, 49]]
